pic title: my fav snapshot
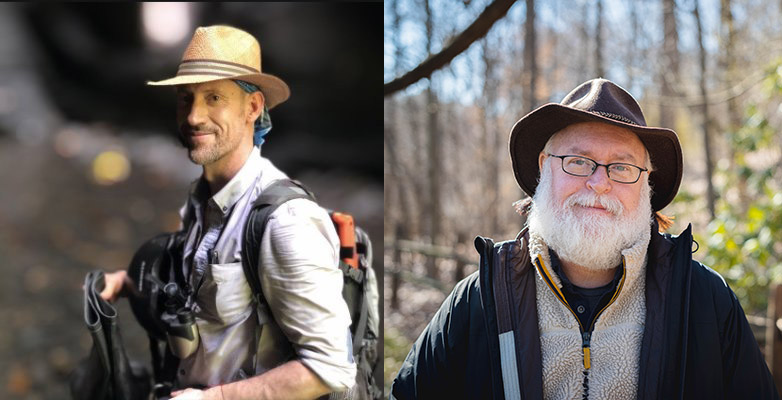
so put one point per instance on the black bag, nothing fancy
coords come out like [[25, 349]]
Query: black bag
[[107, 373], [151, 269], [360, 284]]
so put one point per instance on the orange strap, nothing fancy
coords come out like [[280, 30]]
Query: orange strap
[[347, 238]]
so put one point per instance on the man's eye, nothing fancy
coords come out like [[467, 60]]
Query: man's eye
[[621, 168], [214, 97], [578, 162]]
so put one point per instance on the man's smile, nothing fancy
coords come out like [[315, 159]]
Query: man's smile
[[596, 209]]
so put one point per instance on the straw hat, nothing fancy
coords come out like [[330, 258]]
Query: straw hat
[[596, 100], [224, 52]]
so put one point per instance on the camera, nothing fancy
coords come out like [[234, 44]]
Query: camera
[[181, 329]]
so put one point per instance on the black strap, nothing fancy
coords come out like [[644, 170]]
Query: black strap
[[267, 202], [157, 358], [164, 367], [272, 197], [361, 328], [175, 252]]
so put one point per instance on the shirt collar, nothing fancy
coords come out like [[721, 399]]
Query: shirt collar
[[556, 265], [225, 199]]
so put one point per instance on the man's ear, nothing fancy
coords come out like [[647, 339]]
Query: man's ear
[[541, 157], [255, 106]]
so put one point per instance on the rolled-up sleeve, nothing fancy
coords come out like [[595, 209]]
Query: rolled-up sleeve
[[302, 284]]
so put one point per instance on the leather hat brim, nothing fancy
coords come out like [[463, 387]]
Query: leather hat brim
[[530, 134]]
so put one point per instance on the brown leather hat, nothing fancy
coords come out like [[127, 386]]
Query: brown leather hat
[[596, 100]]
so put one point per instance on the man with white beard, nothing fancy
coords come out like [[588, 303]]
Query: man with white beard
[[591, 300]]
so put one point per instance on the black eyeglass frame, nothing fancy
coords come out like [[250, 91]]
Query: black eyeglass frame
[[597, 164]]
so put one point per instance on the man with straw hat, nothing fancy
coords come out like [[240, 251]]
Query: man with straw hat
[[296, 344], [591, 300]]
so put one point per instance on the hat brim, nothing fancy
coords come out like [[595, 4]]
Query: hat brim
[[275, 91], [530, 134]]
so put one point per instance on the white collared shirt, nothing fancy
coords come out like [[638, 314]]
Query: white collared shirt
[[304, 317]]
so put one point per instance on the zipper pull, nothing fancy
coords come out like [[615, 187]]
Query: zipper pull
[[586, 337]]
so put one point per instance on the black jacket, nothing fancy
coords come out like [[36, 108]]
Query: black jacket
[[697, 342]]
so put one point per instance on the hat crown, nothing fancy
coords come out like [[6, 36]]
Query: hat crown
[[224, 44], [607, 99], [224, 52]]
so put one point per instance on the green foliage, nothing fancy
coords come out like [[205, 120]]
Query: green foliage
[[742, 248], [395, 349], [744, 241], [684, 196]]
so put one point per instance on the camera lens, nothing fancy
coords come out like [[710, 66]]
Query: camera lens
[[171, 289]]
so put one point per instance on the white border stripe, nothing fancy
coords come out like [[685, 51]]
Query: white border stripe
[[209, 72], [510, 373]]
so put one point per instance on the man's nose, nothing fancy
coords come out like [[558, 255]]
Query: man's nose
[[599, 181], [197, 114]]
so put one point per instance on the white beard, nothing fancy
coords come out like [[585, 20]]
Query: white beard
[[591, 241]]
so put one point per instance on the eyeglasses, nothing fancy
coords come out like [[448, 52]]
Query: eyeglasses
[[583, 166]]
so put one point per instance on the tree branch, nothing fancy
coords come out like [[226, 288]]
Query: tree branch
[[475, 31], [714, 97]]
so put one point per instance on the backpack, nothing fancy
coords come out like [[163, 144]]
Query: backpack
[[360, 284], [151, 269]]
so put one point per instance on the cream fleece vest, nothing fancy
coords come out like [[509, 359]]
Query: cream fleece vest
[[615, 341]]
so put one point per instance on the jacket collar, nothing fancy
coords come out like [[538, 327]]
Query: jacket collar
[[667, 297], [634, 256]]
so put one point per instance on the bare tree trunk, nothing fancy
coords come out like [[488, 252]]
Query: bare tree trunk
[[396, 278], [632, 50], [710, 195], [530, 63], [435, 181], [402, 181], [497, 145], [459, 272], [391, 180], [391, 174], [417, 176], [584, 38], [490, 142], [435, 154], [599, 68], [395, 196], [734, 114], [669, 71]]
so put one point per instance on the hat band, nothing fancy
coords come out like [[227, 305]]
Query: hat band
[[214, 67], [615, 116]]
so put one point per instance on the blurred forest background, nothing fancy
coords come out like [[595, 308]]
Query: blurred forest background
[[709, 69], [90, 166]]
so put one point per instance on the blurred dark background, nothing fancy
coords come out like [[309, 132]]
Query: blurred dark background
[[90, 167]]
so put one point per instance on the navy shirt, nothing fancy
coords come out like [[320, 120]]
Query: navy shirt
[[585, 302]]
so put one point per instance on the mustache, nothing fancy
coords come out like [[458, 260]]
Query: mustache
[[592, 200], [187, 129]]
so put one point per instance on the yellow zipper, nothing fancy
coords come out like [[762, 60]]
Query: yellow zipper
[[586, 336]]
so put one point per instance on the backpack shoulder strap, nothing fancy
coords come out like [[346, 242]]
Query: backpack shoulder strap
[[267, 202]]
